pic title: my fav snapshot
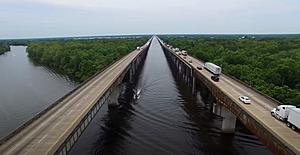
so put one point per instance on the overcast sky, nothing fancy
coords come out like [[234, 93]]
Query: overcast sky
[[50, 18]]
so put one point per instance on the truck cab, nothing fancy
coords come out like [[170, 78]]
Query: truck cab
[[281, 112]]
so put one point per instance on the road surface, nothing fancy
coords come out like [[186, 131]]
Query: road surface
[[259, 108], [46, 134]]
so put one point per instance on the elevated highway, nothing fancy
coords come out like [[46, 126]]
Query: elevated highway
[[255, 116], [57, 128]]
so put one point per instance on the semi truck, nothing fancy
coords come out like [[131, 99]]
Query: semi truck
[[293, 120], [215, 69], [289, 114]]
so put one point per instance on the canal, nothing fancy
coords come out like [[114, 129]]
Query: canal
[[166, 119], [26, 88]]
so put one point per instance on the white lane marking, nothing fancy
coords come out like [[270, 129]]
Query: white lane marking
[[58, 123], [239, 87], [66, 105], [42, 138]]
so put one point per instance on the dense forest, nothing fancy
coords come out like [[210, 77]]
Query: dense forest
[[3, 48], [271, 65], [79, 59]]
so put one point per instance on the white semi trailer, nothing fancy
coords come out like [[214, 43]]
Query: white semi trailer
[[289, 114], [293, 120], [215, 69]]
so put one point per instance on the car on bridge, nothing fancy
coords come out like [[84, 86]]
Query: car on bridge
[[215, 78], [245, 99], [178, 53]]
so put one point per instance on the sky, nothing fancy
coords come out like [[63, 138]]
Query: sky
[[60, 18]]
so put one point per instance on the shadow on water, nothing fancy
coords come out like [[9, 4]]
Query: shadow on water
[[115, 123], [26, 89], [206, 126], [166, 119]]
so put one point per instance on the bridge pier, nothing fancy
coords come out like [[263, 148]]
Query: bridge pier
[[193, 84], [185, 72], [229, 119]]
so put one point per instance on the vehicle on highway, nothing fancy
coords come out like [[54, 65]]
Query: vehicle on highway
[[184, 57], [215, 78], [282, 111], [245, 99], [190, 61], [184, 53], [199, 68], [215, 69], [289, 114], [293, 120], [138, 48], [178, 53]]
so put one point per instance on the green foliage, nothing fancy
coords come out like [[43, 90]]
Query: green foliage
[[79, 59], [3, 48], [271, 65]]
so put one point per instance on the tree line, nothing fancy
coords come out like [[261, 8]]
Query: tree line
[[4, 48], [79, 59], [271, 65]]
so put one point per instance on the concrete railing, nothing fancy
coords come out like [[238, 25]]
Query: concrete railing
[[38, 115], [254, 89], [241, 82]]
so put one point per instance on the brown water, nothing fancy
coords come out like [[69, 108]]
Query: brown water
[[167, 119]]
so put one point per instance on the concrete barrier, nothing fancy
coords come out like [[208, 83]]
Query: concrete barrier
[[56, 103]]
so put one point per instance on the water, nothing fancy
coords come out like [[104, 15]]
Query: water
[[26, 89], [166, 119]]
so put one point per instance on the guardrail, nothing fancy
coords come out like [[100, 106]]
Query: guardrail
[[254, 89], [243, 83], [68, 143], [38, 115]]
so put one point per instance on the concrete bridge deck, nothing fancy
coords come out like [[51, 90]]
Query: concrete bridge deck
[[259, 109], [47, 133]]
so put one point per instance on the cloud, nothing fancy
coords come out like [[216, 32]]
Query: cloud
[[86, 17]]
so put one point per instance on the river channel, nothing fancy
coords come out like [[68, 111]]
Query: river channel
[[26, 88], [166, 119]]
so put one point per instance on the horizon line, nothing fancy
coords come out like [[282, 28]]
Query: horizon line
[[152, 34]]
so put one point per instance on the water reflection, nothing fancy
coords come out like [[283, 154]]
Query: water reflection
[[167, 119], [26, 88]]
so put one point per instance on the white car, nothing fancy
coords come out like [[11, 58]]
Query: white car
[[245, 99]]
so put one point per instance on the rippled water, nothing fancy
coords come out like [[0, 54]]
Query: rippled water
[[166, 119], [26, 89]]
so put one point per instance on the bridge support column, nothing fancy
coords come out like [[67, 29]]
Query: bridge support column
[[229, 119], [193, 85], [133, 67], [131, 74]]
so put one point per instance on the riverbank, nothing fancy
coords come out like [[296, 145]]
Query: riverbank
[[3, 48], [26, 88], [79, 59]]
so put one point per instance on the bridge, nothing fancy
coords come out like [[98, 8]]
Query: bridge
[[56, 129], [256, 117]]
